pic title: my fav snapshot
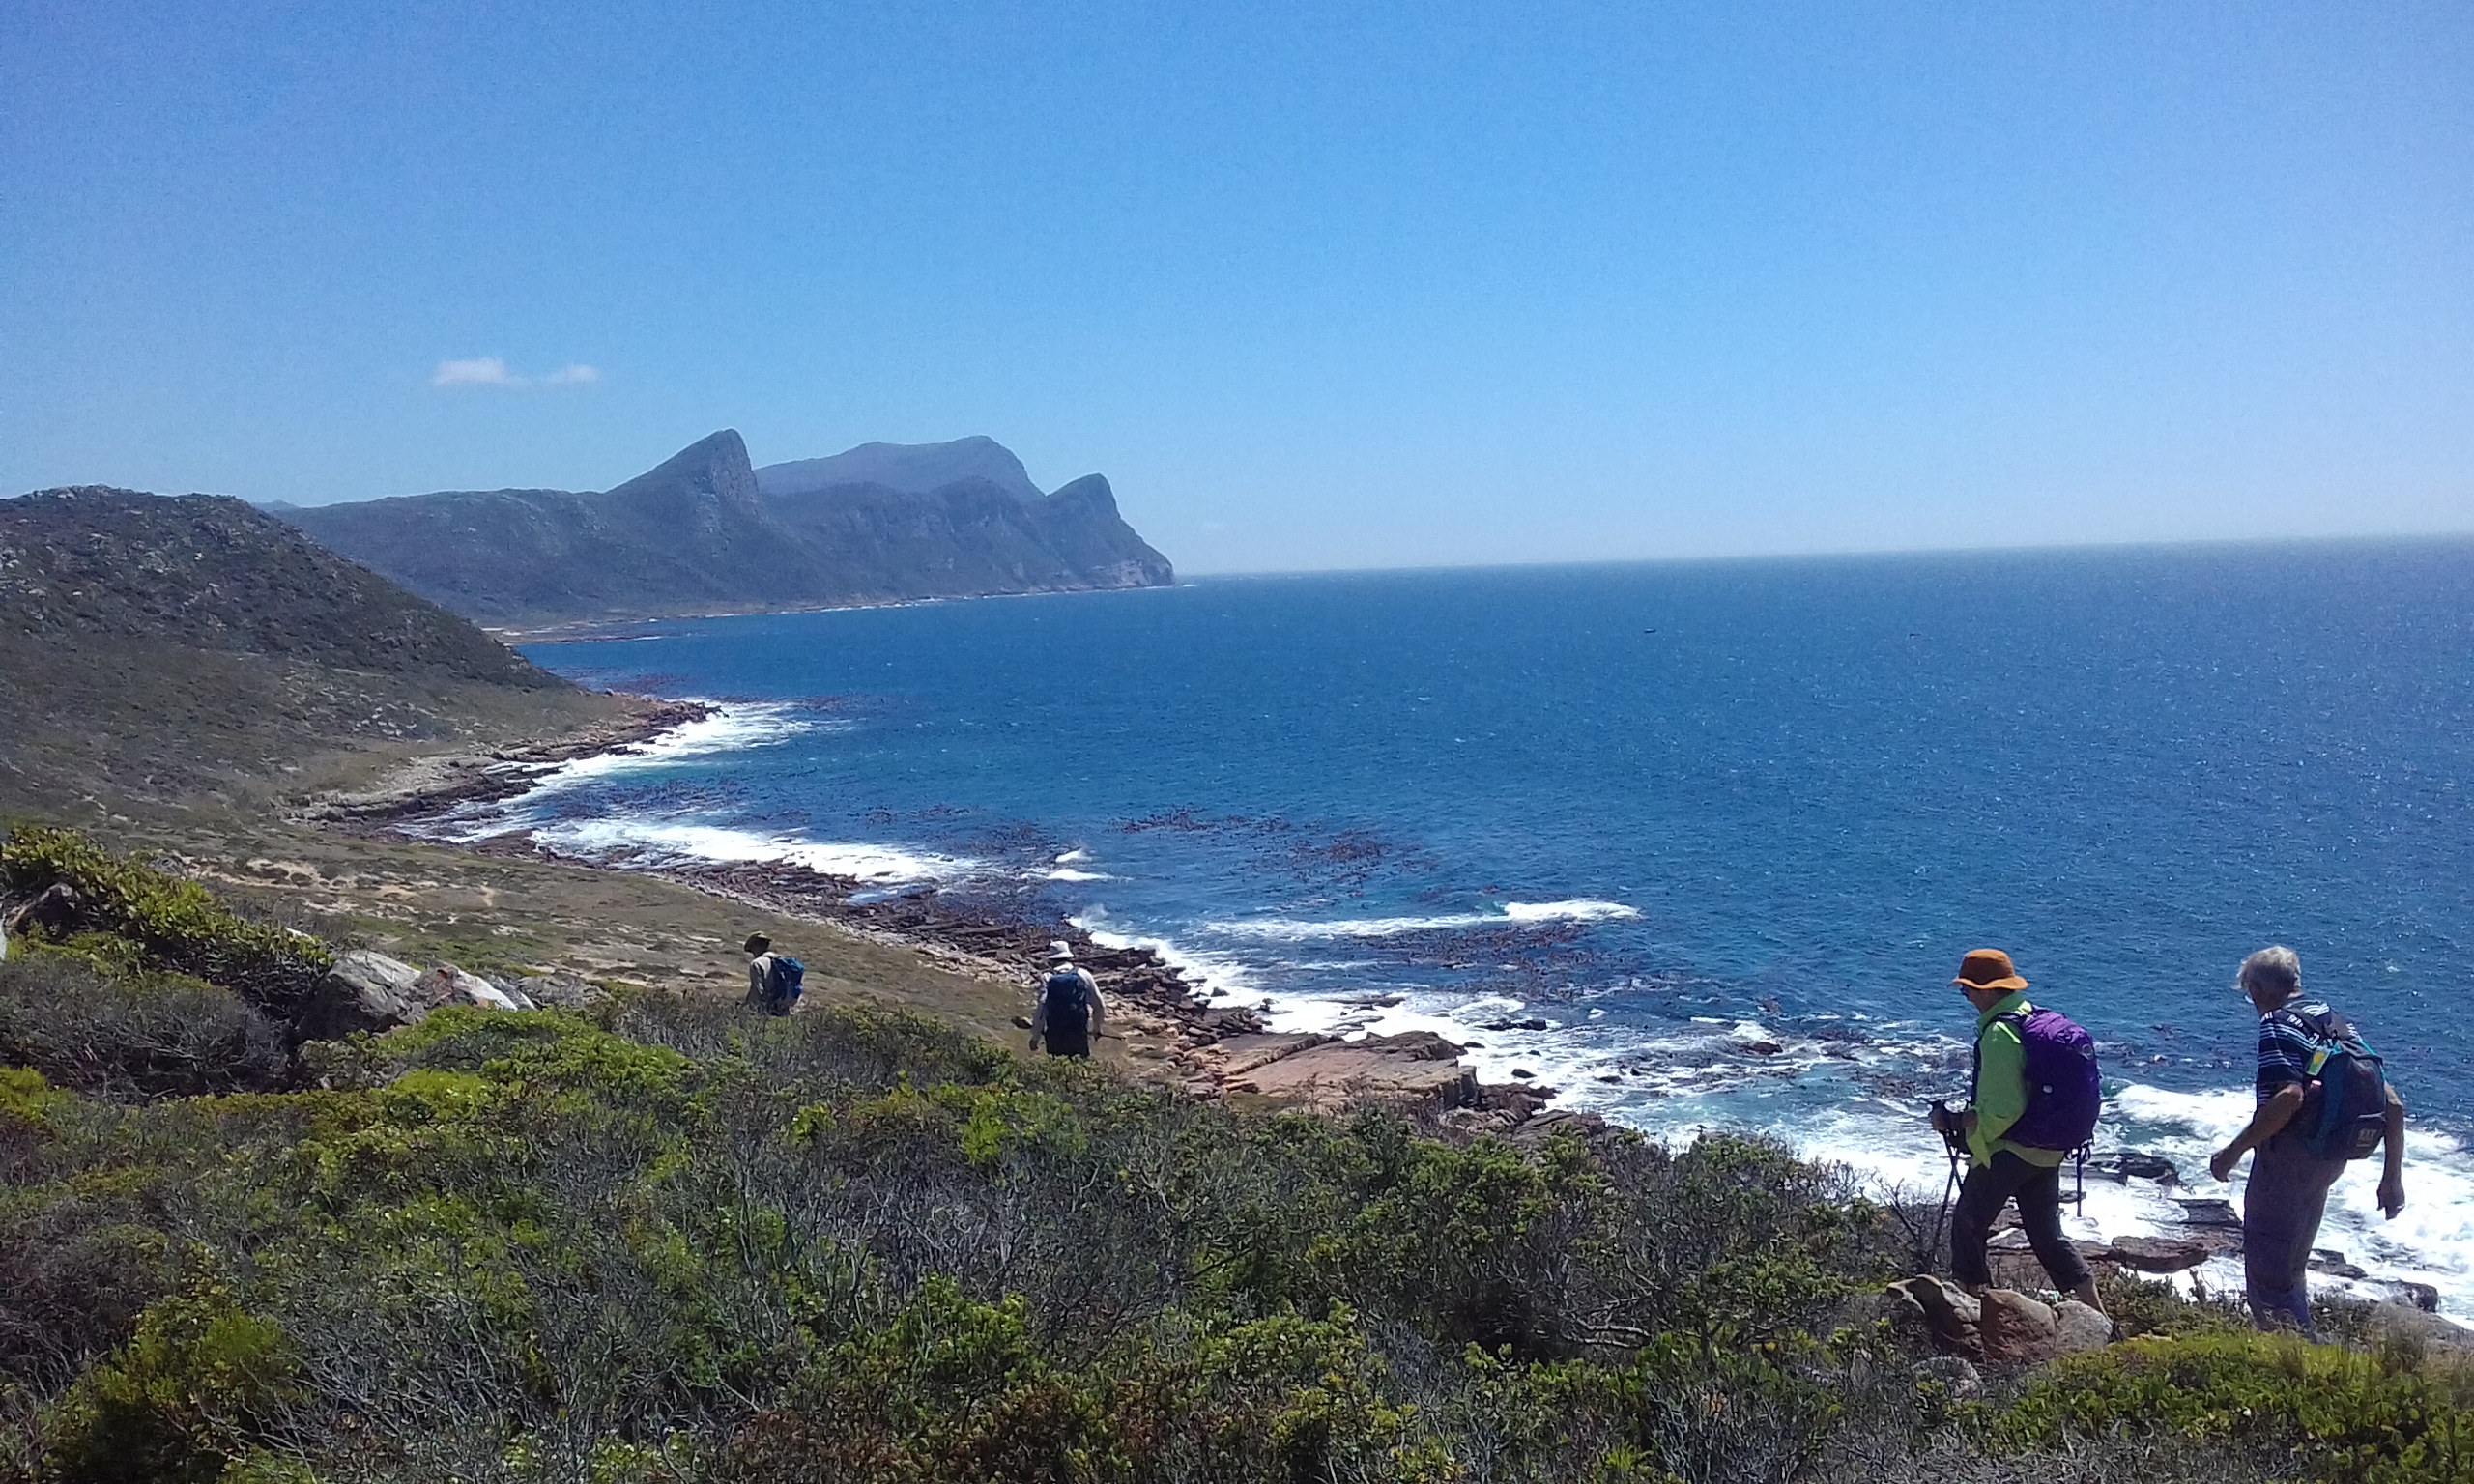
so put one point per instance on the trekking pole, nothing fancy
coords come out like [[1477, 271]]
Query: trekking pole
[[1951, 1148]]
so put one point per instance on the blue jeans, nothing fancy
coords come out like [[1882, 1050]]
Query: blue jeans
[[2282, 1204]]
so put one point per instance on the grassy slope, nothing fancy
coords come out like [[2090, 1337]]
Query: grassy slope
[[180, 672]]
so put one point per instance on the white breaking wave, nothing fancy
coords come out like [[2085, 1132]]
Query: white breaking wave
[[1289, 929], [678, 840], [1581, 910], [1069, 873], [732, 728], [1215, 973]]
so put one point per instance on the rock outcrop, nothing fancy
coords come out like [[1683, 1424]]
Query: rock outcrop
[[705, 533], [2000, 1324], [369, 991], [364, 991]]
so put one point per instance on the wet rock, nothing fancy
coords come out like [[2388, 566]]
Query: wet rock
[[1532, 1024], [1523, 1072], [2330, 1261], [364, 991], [2158, 1254], [2208, 1211], [2420, 1296], [2128, 1165], [1764, 1047]]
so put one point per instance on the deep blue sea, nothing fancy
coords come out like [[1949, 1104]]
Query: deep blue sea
[[1683, 813]]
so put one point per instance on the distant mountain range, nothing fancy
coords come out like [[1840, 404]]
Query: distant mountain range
[[707, 532]]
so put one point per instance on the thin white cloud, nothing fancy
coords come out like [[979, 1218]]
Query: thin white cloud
[[479, 371], [492, 371]]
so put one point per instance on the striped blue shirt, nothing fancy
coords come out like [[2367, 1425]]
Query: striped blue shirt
[[2287, 1044]]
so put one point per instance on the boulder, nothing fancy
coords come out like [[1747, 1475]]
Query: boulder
[[364, 991], [560, 991], [2405, 1326], [2420, 1296], [1947, 1312], [2080, 1328], [2019, 1330], [447, 984]]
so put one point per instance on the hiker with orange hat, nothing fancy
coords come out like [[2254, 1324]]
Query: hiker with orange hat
[[2032, 1099]]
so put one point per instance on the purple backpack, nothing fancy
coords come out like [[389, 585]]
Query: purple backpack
[[2063, 1098]]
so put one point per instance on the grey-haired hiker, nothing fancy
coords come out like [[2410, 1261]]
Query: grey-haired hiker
[[2307, 1051], [1069, 1013]]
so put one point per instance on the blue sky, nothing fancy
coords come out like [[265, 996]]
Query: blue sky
[[1316, 285]]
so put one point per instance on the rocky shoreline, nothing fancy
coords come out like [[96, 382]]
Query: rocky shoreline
[[1167, 1029], [429, 785]]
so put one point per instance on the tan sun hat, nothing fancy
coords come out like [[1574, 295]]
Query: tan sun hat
[[1988, 968]]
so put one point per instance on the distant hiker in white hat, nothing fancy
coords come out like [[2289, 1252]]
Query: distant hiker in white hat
[[1069, 1013]]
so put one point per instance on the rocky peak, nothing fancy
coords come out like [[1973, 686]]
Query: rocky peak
[[913, 468]]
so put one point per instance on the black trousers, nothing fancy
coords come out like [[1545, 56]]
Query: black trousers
[[2038, 1191]]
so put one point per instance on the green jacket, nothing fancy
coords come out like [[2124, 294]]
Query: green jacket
[[2001, 1086]]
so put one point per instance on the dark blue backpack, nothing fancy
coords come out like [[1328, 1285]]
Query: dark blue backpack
[[782, 983], [2063, 1094], [2345, 1107], [1066, 1004]]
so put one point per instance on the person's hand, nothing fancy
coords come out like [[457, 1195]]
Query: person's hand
[[2391, 1195], [1939, 1119], [2221, 1164]]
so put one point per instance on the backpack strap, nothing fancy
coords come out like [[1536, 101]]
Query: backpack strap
[[2018, 1021]]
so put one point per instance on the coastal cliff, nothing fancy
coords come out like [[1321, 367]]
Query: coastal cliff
[[707, 532]]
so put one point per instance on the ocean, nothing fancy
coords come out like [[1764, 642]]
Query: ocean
[[1697, 844]]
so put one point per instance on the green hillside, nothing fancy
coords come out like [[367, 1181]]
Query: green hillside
[[666, 1242]]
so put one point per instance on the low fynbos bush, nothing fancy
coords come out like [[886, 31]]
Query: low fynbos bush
[[177, 925], [2336, 1414], [133, 1036]]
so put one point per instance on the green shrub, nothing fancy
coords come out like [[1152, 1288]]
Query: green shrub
[[186, 1394], [2339, 1414], [176, 924], [2139, 1306]]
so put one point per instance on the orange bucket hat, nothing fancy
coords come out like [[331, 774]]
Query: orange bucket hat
[[1988, 968]]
